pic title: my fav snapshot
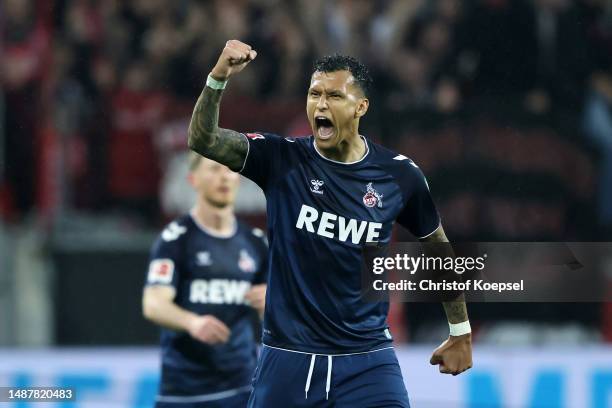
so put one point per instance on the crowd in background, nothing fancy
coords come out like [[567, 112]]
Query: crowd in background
[[87, 84], [505, 104]]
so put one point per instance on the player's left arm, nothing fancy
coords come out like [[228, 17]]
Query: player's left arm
[[421, 218], [454, 355]]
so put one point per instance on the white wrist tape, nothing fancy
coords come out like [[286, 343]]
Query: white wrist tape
[[214, 84], [460, 329]]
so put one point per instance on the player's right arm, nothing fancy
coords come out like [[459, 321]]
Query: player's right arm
[[158, 299], [159, 307], [205, 137]]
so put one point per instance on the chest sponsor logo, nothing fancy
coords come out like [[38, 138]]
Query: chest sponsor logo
[[161, 271], [333, 226], [203, 258], [219, 291], [246, 263], [316, 186], [372, 198]]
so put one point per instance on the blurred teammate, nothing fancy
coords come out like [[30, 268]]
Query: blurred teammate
[[327, 195], [206, 275]]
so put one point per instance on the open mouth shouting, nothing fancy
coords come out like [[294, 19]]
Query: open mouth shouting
[[324, 127]]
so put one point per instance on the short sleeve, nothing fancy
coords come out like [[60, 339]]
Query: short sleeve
[[262, 251], [262, 158], [164, 265], [419, 214]]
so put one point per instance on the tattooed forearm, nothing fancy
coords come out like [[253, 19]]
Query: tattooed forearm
[[208, 139], [456, 310]]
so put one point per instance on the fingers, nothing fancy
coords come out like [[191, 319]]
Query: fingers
[[452, 368], [256, 297], [257, 292], [436, 359], [462, 370], [239, 52], [444, 369], [257, 304], [454, 356], [459, 371], [211, 330], [237, 44], [219, 330]]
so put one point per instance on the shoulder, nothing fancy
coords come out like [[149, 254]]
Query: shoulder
[[397, 164], [279, 149], [252, 234], [176, 231], [273, 138]]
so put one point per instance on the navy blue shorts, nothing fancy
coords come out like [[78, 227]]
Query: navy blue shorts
[[285, 378], [227, 399]]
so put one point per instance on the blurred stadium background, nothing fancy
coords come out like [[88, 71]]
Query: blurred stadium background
[[505, 104]]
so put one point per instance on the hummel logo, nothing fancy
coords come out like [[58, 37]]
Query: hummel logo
[[316, 186], [203, 258], [401, 157]]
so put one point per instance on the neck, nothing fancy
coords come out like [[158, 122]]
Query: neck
[[350, 149], [220, 220]]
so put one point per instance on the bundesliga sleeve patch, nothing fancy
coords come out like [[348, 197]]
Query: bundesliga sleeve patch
[[254, 136], [161, 271]]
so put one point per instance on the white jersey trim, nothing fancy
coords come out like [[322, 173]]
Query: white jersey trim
[[247, 153], [212, 233], [431, 233], [333, 355], [314, 144], [204, 397]]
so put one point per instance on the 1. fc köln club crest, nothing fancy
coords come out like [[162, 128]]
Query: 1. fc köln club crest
[[372, 197], [246, 262]]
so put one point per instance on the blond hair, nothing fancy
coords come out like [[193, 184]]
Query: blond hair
[[194, 160]]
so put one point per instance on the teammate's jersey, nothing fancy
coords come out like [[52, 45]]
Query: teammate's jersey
[[211, 275], [320, 215]]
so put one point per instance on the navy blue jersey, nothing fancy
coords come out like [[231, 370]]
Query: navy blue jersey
[[321, 213], [211, 275]]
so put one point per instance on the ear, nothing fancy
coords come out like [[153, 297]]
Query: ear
[[191, 179], [362, 107]]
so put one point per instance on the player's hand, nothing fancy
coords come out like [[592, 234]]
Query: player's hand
[[257, 297], [208, 329], [235, 56], [454, 356]]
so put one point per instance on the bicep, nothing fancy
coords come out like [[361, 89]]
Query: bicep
[[157, 293], [229, 148]]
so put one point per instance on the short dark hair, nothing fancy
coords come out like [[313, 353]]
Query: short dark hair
[[337, 62]]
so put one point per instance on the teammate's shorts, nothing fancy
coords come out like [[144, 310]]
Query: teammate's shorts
[[236, 398], [286, 378]]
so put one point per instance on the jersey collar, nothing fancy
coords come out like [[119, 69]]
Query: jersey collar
[[365, 156], [212, 233]]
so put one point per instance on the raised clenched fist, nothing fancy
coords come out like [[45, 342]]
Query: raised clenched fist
[[234, 57], [454, 356]]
